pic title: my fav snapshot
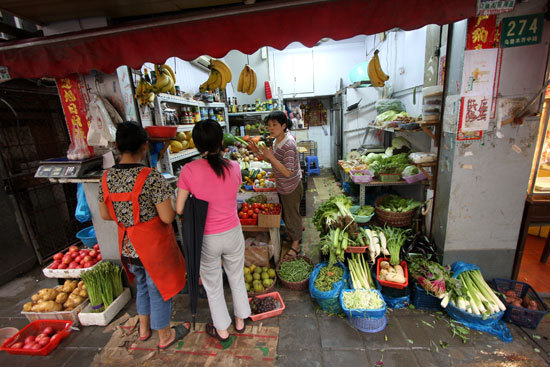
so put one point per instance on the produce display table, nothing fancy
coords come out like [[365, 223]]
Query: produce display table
[[536, 211]]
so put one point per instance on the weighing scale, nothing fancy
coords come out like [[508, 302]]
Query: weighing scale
[[66, 168]]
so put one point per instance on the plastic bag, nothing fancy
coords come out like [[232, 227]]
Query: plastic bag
[[422, 157], [82, 212], [383, 105], [102, 130], [330, 300], [396, 303], [78, 149]]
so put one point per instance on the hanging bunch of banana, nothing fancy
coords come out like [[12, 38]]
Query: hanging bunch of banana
[[220, 75], [166, 80], [247, 80], [144, 92], [376, 75]]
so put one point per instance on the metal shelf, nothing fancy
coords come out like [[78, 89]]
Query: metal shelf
[[250, 113], [164, 97], [189, 127], [184, 154]]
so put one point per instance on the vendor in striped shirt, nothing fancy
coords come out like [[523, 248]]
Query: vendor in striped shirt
[[286, 167]]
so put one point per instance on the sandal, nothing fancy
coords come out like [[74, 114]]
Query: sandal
[[181, 332], [240, 331], [213, 332], [294, 253]]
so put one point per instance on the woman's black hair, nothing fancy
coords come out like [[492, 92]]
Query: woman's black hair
[[281, 118], [207, 136], [130, 136]]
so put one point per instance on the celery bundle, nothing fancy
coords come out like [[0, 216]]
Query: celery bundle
[[477, 297]]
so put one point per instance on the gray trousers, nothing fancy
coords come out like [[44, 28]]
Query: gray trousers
[[228, 247]]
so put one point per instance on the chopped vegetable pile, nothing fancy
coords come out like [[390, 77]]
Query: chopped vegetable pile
[[362, 299], [328, 275], [395, 203], [295, 270]]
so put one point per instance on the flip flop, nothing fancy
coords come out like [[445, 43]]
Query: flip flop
[[181, 332], [240, 331], [144, 339], [213, 332]]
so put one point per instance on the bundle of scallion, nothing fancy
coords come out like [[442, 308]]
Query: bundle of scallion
[[477, 297], [360, 272], [104, 284]]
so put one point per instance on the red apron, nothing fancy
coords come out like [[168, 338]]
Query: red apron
[[154, 241]]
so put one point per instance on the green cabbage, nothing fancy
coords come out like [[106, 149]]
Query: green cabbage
[[410, 171]]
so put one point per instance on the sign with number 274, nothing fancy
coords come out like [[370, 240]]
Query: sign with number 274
[[521, 31]]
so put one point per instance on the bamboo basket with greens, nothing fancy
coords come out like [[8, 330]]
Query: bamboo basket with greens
[[395, 211], [104, 284]]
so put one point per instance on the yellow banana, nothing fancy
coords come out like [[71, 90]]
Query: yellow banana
[[373, 76], [241, 80], [246, 81], [381, 75], [224, 71], [164, 81], [253, 81], [172, 75], [216, 82]]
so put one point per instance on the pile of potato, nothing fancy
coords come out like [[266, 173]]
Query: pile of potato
[[64, 297], [526, 302]]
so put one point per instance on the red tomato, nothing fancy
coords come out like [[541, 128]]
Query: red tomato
[[245, 216], [78, 259], [28, 346], [250, 212], [66, 259], [96, 247], [245, 205], [29, 339], [241, 214], [44, 341], [87, 258], [73, 248], [36, 346], [74, 255], [99, 257], [56, 337], [92, 253], [256, 211], [17, 345], [48, 330], [55, 264], [73, 265], [254, 216], [58, 256], [39, 336], [88, 264], [62, 266]]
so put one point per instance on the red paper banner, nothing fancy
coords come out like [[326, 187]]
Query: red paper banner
[[466, 135], [482, 33], [72, 100]]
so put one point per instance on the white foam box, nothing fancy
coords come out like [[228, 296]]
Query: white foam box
[[66, 273], [87, 317], [58, 315]]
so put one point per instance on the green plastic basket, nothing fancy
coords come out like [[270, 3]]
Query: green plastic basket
[[360, 218]]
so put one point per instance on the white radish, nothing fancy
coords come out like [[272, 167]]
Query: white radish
[[383, 244]]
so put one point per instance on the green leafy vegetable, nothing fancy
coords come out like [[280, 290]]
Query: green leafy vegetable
[[395, 203], [328, 275], [410, 171]]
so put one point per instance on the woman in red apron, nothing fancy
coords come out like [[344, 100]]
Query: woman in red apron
[[137, 198]]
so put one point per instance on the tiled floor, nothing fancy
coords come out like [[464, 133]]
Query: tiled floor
[[532, 271]]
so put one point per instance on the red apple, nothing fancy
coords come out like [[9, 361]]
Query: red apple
[[96, 247], [73, 248], [58, 256], [62, 266], [17, 345], [48, 330]]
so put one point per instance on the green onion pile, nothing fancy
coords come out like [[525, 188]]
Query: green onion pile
[[104, 284], [295, 270]]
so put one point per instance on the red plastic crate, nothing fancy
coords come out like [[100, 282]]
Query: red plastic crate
[[356, 249], [268, 314], [34, 328], [249, 222], [385, 283]]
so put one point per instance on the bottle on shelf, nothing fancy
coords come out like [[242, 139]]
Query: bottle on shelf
[[197, 115], [146, 75], [153, 77]]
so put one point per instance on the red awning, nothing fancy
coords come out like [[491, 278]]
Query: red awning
[[274, 24]]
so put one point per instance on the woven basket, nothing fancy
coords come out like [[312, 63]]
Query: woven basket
[[390, 218], [266, 290], [296, 286]]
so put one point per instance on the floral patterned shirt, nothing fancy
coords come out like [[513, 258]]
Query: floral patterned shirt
[[121, 178]]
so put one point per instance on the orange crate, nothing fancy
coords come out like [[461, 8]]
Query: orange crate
[[356, 249], [60, 327], [273, 313], [385, 283]]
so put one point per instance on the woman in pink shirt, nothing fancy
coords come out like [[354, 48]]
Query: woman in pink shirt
[[217, 180]]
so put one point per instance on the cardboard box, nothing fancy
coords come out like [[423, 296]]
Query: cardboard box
[[269, 221]]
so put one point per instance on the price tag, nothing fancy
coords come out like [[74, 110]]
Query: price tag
[[522, 31], [4, 74]]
